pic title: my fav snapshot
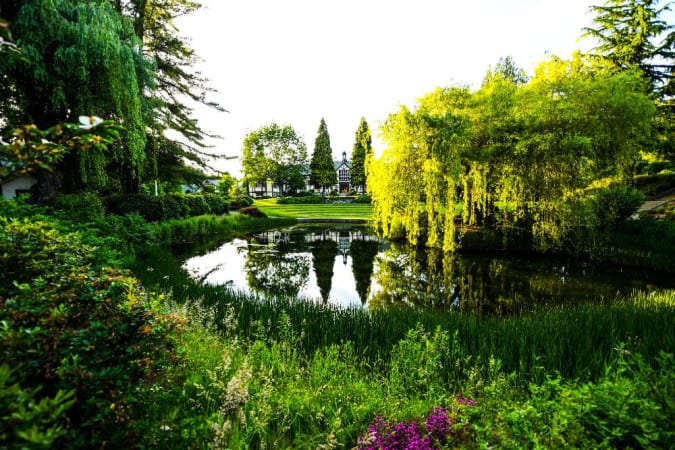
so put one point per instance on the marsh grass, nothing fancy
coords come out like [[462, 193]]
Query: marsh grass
[[259, 386]]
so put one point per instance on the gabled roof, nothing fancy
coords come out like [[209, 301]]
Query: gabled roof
[[338, 164]]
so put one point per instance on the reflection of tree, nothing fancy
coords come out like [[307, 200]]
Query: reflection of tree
[[275, 273], [363, 254], [323, 255]]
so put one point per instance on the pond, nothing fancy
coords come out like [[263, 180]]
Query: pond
[[348, 265]]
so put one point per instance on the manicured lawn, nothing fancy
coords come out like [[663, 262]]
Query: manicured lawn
[[316, 211]]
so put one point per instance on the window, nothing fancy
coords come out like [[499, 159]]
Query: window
[[343, 174]]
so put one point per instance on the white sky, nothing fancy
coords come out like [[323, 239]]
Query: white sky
[[296, 61]]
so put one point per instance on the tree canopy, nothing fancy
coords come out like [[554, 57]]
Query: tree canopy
[[277, 153], [632, 35], [526, 157], [120, 60]]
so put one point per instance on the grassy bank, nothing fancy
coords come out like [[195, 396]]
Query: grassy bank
[[316, 211]]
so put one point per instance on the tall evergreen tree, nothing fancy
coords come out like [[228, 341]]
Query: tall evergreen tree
[[175, 86], [322, 167], [360, 152], [632, 35]]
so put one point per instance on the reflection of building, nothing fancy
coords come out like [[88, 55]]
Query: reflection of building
[[272, 237], [343, 238]]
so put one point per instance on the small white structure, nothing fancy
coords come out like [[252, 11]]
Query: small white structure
[[14, 186]]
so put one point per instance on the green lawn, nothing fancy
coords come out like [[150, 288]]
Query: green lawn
[[316, 211]]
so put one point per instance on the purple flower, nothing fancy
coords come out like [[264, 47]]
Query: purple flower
[[466, 401], [438, 424]]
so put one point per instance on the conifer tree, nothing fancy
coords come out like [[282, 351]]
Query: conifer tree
[[360, 152], [633, 35], [322, 168]]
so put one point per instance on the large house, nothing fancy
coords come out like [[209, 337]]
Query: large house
[[267, 188]]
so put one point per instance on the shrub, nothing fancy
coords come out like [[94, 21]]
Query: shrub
[[83, 342], [217, 204], [615, 204], [651, 185], [305, 200], [252, 211], [83, 207], [362, 199], [196, 204]]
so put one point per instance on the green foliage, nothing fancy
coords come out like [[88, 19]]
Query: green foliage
[[634, 35], [80, 58], [277, 153], [361, 152], [513, 155], [651, 185], [615, 205], [304, 200], [69, 328], [83, 207], [166, 207], [27, 418], [322, 170], [227, 185], [31, 149]]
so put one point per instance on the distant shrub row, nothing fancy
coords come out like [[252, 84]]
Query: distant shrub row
[[165, 207], [651, 185], [316, 199]]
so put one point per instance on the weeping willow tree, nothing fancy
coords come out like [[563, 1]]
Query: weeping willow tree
[[413, 182], [511, 154], [81, 57]]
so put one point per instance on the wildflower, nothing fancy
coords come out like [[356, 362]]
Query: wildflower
[[466, 401]]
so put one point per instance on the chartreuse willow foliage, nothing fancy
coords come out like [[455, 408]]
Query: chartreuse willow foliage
[[529, 157]]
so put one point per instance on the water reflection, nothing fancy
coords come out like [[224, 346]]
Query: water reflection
[[331, 264], [349, 266]]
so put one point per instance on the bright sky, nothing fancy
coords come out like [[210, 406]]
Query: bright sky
[[296, 61]]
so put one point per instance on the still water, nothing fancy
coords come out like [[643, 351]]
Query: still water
[[350, 266]]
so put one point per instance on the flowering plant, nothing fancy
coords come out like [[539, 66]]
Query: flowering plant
[[441, 428]]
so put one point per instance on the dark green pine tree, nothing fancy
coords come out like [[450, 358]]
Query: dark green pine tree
[[323, 256], [363, 256], [323, 173], [360, 152], [632, 35]]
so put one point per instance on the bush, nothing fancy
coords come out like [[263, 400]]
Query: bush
[[651, 185], [83, 207], [217, 204], [305, 200], [614, 205], [82, 342], [165, 207], [363, 199], [252, 211]]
